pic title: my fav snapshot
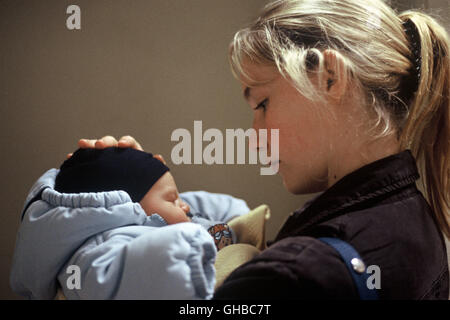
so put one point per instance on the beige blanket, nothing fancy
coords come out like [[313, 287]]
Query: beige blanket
[[250, 230]]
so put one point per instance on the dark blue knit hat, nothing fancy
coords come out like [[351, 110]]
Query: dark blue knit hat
[[98, 170]]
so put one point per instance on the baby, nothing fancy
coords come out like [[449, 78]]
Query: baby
[[145, 178]]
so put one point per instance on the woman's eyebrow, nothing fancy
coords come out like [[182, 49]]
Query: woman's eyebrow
[[247, 91]]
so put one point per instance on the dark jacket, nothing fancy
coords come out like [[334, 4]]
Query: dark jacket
[[381, 213]]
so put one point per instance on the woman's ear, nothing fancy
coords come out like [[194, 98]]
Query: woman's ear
[[336, 76]]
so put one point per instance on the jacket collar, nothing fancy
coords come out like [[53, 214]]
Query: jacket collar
[[360, 187]]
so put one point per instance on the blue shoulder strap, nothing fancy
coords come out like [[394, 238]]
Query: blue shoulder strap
[[354, 265]]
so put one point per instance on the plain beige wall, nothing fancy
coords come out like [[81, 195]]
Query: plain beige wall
[[140, 67], [439, 9], [143, 68]]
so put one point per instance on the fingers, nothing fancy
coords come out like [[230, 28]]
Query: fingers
[[129, 142], [106, 142], [110, 141], [160, 158], [87, 143]]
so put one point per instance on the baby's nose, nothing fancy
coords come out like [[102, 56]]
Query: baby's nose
[[185, 206]]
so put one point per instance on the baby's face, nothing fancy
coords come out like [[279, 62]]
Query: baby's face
[[163, 199]]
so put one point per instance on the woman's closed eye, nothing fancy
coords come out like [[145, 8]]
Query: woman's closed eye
[[262, 104]]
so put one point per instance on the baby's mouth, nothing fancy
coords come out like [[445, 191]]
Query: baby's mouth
[[190, 215]]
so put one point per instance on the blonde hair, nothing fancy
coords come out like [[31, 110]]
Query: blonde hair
[[369, 36]]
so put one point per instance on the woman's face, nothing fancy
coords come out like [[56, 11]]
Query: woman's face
[[304, 132]]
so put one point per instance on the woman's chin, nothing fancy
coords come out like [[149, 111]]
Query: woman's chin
[[292, 188]]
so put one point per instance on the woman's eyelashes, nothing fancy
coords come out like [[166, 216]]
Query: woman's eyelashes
[[262, 105]]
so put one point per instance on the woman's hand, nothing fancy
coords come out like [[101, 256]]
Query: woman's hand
[[108, 141]]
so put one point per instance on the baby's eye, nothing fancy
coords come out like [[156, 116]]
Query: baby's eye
[[172, 197]]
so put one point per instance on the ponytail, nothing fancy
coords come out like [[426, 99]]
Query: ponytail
[[426, 131]]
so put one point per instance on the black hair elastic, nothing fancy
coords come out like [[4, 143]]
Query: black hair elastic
[[410, 83]]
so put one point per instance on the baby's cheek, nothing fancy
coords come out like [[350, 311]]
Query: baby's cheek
[[184, 217], [147, 209]]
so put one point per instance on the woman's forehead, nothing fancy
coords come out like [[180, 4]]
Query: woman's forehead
[[257, 74]]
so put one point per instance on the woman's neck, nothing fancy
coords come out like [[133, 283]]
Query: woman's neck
[[351, 158]]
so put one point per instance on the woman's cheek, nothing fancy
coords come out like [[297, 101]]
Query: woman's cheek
[[292, 137]]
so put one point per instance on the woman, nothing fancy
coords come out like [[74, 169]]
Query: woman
[[359, 94]]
